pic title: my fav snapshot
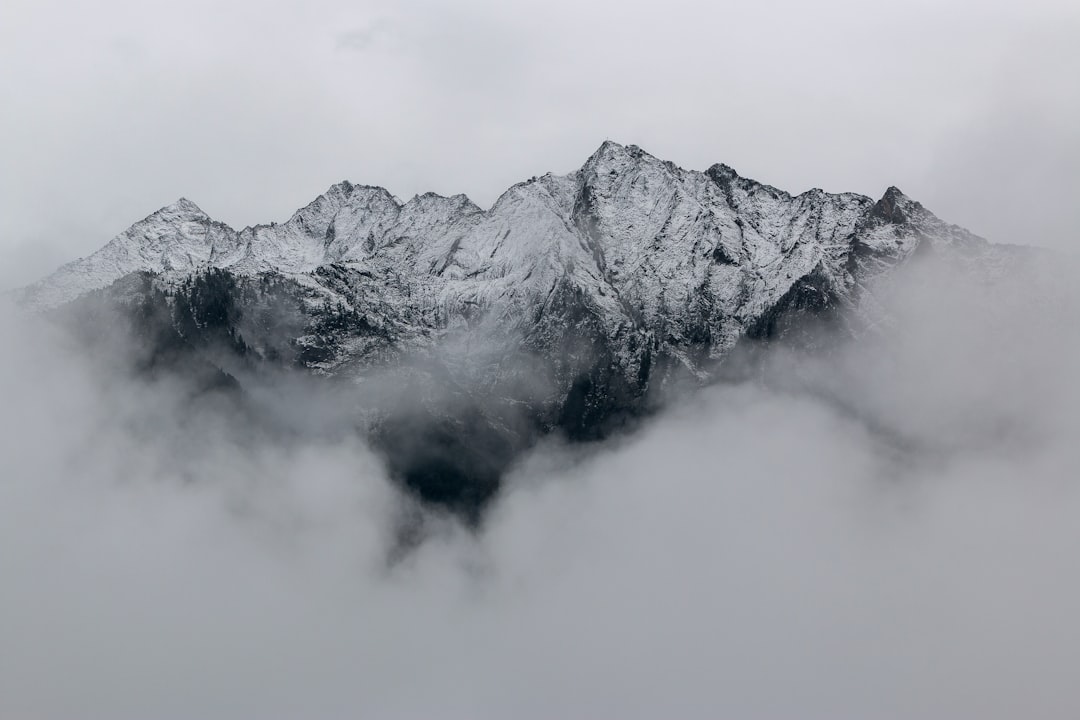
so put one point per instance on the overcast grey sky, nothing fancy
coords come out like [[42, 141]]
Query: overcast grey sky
[[251, 109]]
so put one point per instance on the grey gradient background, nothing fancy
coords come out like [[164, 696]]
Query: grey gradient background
[[251, 109]]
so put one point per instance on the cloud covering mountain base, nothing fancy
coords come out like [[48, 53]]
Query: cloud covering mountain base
[[887, 530]]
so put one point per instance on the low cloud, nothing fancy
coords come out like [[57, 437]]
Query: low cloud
[[887, 531]]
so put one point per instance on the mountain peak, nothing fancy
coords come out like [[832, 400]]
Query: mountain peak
[[647, 206], [896, 195], [722, 172], [894, 206], [608, 152], [182, 210], [182, 206], [613, 158], [608, 146]]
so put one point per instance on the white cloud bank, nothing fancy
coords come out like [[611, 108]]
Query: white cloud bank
[[896, 538]]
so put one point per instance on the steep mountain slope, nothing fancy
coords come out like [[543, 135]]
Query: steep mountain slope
[[568, 305]]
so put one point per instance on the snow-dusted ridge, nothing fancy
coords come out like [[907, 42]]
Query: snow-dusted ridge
[[657, 260], [649, 217], [564, 306]]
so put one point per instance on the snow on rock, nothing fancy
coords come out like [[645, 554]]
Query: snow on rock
[[174, 241], [647, 250]]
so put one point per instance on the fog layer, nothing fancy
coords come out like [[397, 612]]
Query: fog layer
[[886, 532]]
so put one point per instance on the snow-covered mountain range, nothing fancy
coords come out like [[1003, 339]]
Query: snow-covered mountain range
[[570, 301]]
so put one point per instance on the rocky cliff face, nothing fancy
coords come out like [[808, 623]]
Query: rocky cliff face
[[564, 307]]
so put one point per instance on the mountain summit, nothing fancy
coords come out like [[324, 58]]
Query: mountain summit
[[625, 219], [567, 306]]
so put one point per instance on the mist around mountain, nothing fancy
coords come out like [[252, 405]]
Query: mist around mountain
[[453, 339], [857, 501]]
